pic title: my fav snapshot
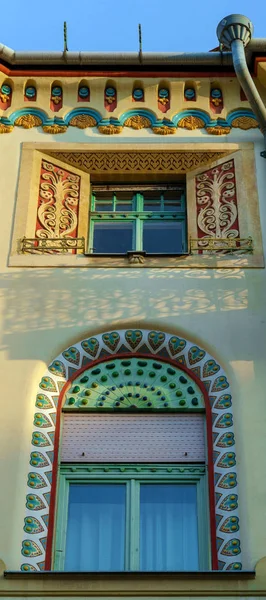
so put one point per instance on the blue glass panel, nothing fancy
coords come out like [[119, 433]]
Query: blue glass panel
[[168, 527], [161, 237], [96, 527], [112, 237]]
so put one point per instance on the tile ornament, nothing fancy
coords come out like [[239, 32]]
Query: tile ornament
[[190, 94], [137, 118], [153, 345], [138, 95], [5, 96], [30, 93]]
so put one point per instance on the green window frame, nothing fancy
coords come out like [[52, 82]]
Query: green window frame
[[133, 476], [138, 199]]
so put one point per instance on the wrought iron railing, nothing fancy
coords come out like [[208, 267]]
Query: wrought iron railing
[[51, 245], [212, 245]]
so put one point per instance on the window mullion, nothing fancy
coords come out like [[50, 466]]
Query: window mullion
[[134, 525], [62, 522]]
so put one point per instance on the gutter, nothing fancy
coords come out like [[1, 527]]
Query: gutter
[[235, 32]]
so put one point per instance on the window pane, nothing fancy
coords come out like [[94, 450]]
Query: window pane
[[103, 201], [152, 201], [162, 237], [124, 200], [96, 527], [172, 200], [112, 238], [168, 528]]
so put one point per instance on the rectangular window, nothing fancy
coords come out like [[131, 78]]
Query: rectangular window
[[144, 218], [130, 518]]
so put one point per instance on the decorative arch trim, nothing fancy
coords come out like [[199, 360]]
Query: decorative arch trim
[[207, 374]]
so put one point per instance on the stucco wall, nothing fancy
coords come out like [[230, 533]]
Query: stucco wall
[[45, 310]]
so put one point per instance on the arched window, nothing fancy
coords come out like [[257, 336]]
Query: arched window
[[135, 466]]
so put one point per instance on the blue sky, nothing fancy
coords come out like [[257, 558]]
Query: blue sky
[[105, 25]]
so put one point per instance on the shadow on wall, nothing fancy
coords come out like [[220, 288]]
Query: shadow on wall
[[45, 310]]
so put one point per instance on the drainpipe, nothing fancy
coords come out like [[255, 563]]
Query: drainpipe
[[235, 32]]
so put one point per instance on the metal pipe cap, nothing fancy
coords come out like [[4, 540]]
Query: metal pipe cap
[[234, 27]]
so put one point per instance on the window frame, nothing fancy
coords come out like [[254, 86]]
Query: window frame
[[137, 215], [133, 475]]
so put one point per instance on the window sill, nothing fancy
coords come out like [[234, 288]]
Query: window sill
[[184, 261], [125, 584]]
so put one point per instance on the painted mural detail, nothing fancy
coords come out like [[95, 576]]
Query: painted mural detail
[[58, 204], [217, 212], [151, 343]]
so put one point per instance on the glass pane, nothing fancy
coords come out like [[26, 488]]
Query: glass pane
[[173, 200], [96, 527], [168, 528], [124, 201], [103, 201], [112, 238], [162, 237], [152, 201]]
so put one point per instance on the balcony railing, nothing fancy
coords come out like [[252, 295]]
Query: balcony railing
[[52, 245], [221, 245]]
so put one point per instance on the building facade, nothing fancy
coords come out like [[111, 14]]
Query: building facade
[[133, 326]]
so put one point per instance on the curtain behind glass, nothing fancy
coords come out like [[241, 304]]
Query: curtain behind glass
[[96, 528], [168, 528]]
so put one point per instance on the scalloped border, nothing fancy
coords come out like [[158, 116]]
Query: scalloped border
[[206, 372], [115, 125]]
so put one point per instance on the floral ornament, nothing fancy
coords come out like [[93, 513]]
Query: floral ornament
[[30, 93], [163, 96], [57, 94], [190, 94], [110, 95], [5, 93], [216, 97], [84, 93], [138, 95]]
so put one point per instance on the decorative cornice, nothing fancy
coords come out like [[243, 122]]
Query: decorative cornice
[[135, 118], [138, 162]]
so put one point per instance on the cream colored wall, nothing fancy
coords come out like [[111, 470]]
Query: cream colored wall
[[45, 310]]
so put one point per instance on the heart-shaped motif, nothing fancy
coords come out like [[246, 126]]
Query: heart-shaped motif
[[226, 420], [227, 460], [72, 355], [57, 368], [90, 346], [229, 502], [210, 368], [111, 340], [225, 401], [195, 355], [26, 568], [133, 337], [38, 460], [220, 384], [39, 439], [156, 339], [43, 401], [34, 502], [228, 481], [231, 548], [35, 481], [30, 548], [32, 525], [176, 345], [226, 440], [41, 420], [230, 525], [48, 384]]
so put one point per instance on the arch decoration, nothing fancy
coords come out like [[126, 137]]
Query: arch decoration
[[166, 364]]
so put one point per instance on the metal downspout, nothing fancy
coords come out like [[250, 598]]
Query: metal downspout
[[235, 32]]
